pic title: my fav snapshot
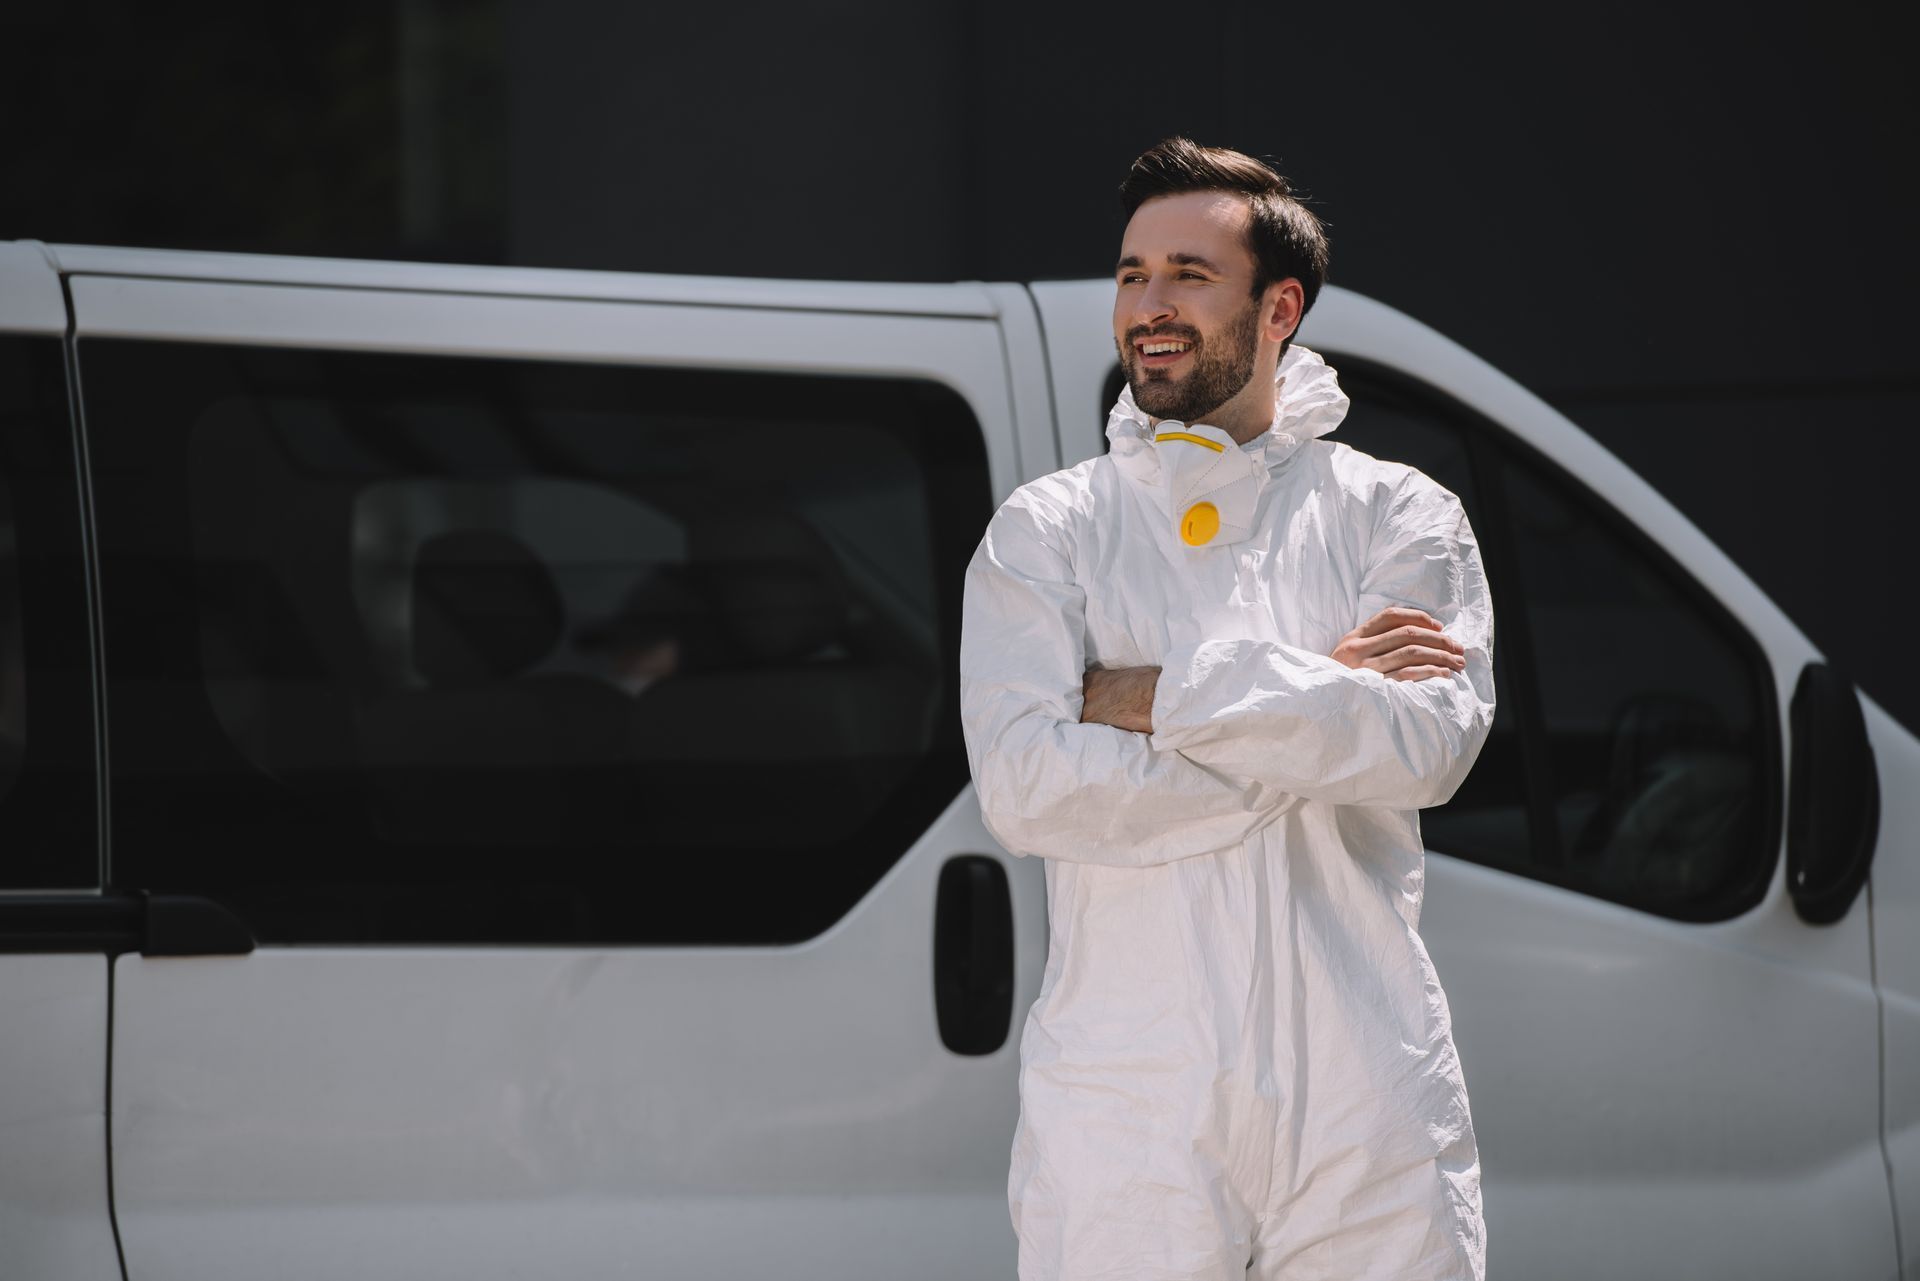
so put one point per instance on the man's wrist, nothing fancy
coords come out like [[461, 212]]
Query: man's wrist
[[1121, 697], [1143, 681]]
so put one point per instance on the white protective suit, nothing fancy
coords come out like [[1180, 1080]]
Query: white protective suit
[[1241, 1057]]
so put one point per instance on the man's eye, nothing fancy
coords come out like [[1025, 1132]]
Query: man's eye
[[1194, 274]]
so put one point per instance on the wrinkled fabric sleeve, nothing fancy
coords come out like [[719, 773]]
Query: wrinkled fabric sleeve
[[1283, 717], [1050, 786]]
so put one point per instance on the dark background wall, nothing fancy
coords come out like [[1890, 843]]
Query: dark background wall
[[1691, 232]]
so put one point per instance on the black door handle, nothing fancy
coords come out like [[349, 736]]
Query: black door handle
[[973, 955]]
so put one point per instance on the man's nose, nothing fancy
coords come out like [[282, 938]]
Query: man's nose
[[1152, 307]]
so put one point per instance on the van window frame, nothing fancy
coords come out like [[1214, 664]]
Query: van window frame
[[63, 731]]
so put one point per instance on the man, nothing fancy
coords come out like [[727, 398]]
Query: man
[[1210, 677]]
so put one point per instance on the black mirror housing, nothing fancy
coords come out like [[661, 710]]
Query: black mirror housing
[[1833, 797]]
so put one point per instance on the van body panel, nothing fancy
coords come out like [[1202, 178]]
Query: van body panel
[[1609, 1053], [1651, 1095], [1029, 387], [959, 300], [55, 1214], [806, 1236], [486, 1111], [30, 301], [1894, 893], [54, 1217], [964, 354], [1077, 317], [425, 1111]]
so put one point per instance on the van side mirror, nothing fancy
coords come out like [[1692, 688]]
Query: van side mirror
[[1833, 797]]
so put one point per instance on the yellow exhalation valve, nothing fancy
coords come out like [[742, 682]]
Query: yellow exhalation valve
[[1200, 524]]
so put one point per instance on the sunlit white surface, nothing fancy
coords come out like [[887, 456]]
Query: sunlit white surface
[[444, 1112], [1896, 939], [53, 1118]]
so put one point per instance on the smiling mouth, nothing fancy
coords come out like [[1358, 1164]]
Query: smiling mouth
[[1159, 353]]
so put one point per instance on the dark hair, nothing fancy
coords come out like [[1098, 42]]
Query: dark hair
[[1284, 236]]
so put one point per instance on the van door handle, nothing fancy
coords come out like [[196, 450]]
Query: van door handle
[[973, 955]]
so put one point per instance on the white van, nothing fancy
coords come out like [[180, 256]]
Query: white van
[[482, 794]]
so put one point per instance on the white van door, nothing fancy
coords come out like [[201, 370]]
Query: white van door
[[55, 926], [550, 678], [1672, 1073], [1896, 938]]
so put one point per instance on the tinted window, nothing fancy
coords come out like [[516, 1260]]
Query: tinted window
[[48, 837], [1657, 723], [413, 649]]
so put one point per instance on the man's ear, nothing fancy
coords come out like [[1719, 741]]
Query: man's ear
[[1281, 309]]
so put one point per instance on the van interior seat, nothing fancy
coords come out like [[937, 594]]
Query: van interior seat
[[281, 655], [487, 752], [787, 722], [484, 609], [1676, 810]]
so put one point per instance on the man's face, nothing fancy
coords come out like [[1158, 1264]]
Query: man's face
[[1185, 276]]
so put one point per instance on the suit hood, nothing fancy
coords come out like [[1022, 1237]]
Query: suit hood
[[1308, 404]]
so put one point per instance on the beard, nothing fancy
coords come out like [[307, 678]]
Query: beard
[[1222, 367]]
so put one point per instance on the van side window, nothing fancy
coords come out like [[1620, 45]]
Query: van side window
[[49, 839], [1656, 716], [1632, 754], [411, 649]]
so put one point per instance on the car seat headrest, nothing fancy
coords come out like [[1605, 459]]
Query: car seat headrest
[[485, 608], [776, 584]]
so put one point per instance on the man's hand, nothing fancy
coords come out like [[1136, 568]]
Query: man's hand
[[1402, 644], [1121, 697]]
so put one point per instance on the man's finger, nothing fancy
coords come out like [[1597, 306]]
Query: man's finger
[[1398, 616], [1417, 655], [1400, 637]]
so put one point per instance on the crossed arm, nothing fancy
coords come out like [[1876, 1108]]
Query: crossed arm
[[1141, 766], [1399, 642]]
